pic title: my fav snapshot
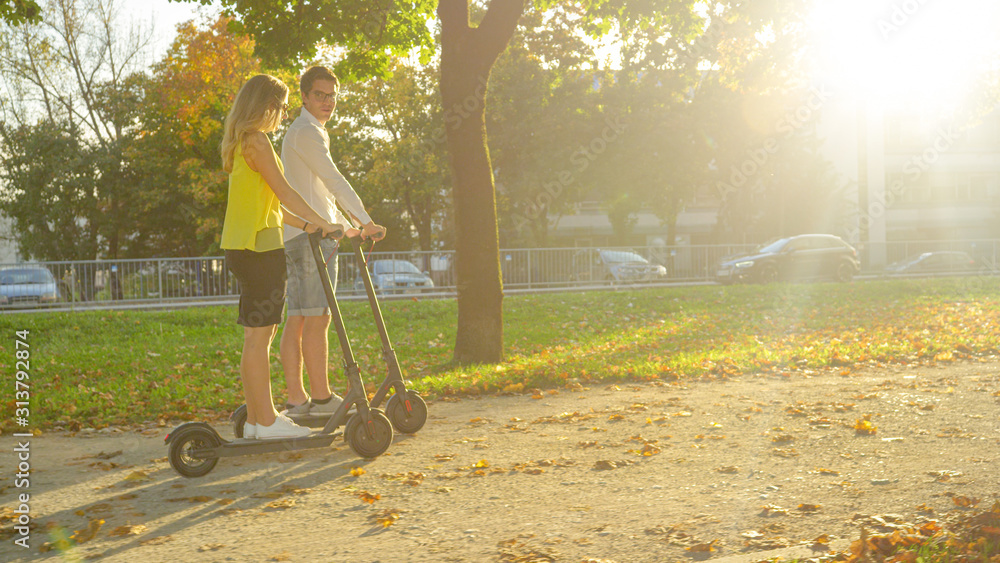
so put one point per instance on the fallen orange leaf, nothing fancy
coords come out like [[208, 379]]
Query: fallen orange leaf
[[81, 536], [864, 426], [128, 530]]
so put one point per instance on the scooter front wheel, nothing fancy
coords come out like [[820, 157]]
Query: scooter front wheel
[[183, 447], [369, 440], [407, 411]]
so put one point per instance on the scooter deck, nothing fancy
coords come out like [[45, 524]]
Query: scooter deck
[[313, 421], [243, 446]]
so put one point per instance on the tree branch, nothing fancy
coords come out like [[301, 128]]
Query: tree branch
[[497, 27], [454, 15]]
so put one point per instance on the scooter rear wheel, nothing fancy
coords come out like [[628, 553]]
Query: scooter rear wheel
[[239, 418], [364, 445], [182, 446], [407, 411]]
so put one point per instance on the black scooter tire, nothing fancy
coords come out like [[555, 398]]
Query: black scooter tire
[[406, 421], [364, 445], [193, 439], [239, 418]]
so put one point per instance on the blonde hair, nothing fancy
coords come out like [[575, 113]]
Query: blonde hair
[[257, 108]]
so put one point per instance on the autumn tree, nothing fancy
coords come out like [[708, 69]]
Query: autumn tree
[[189, 94]]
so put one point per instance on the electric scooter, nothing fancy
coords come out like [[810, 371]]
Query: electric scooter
[[406, 410], [195, 447]]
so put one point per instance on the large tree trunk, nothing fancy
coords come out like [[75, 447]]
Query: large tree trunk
[[467, 56]]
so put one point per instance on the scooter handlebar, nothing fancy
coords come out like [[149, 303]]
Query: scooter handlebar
[[336, 233]]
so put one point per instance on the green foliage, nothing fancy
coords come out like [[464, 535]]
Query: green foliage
[[99, 368], [541, 104], [139, 174], [51, 184], [371, 32], [17, 12], [389, 141]]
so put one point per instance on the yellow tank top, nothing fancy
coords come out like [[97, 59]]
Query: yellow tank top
[[253, 213]]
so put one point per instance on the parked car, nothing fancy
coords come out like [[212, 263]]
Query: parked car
[[395, 276], [941, 262], [27, 286], [802, 257], [167, 278], [615, 266]]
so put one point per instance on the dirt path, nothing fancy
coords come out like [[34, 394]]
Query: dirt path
[[733, 468]]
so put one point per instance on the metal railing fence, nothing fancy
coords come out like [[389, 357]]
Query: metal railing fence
[[166, 281]]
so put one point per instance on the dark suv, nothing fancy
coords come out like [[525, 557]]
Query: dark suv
[[802, 257]]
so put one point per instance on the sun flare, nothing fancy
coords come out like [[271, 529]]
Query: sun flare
[[928, 53]]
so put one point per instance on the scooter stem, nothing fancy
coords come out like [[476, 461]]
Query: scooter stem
[[356, 389], [388, 353]]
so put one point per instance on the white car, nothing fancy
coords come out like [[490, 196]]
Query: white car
[[615, 266], [396, 276], [27, 286]]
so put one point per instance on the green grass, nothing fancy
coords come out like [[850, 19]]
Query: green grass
[[117, 367]]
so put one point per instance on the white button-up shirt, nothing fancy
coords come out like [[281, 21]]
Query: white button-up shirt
[[305, 153]]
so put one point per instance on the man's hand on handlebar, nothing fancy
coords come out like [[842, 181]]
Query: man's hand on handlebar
[[332, 230], [373, 231]]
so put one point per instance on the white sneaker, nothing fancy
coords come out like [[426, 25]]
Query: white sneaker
[[249, 431], [283, 427]]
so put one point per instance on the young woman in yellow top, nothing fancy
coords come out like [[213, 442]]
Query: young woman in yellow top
[[252, 240]]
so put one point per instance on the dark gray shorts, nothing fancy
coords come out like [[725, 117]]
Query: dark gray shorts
[[262, 285], [305, 296]]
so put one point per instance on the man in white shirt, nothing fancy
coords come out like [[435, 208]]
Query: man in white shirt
[[305, 153]]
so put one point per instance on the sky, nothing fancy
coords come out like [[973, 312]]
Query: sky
[[164, 17]]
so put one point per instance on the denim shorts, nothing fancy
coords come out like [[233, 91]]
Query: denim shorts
[[306, 297], [261, 276]]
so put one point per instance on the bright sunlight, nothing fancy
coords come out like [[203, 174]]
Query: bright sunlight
[[925, 53]]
